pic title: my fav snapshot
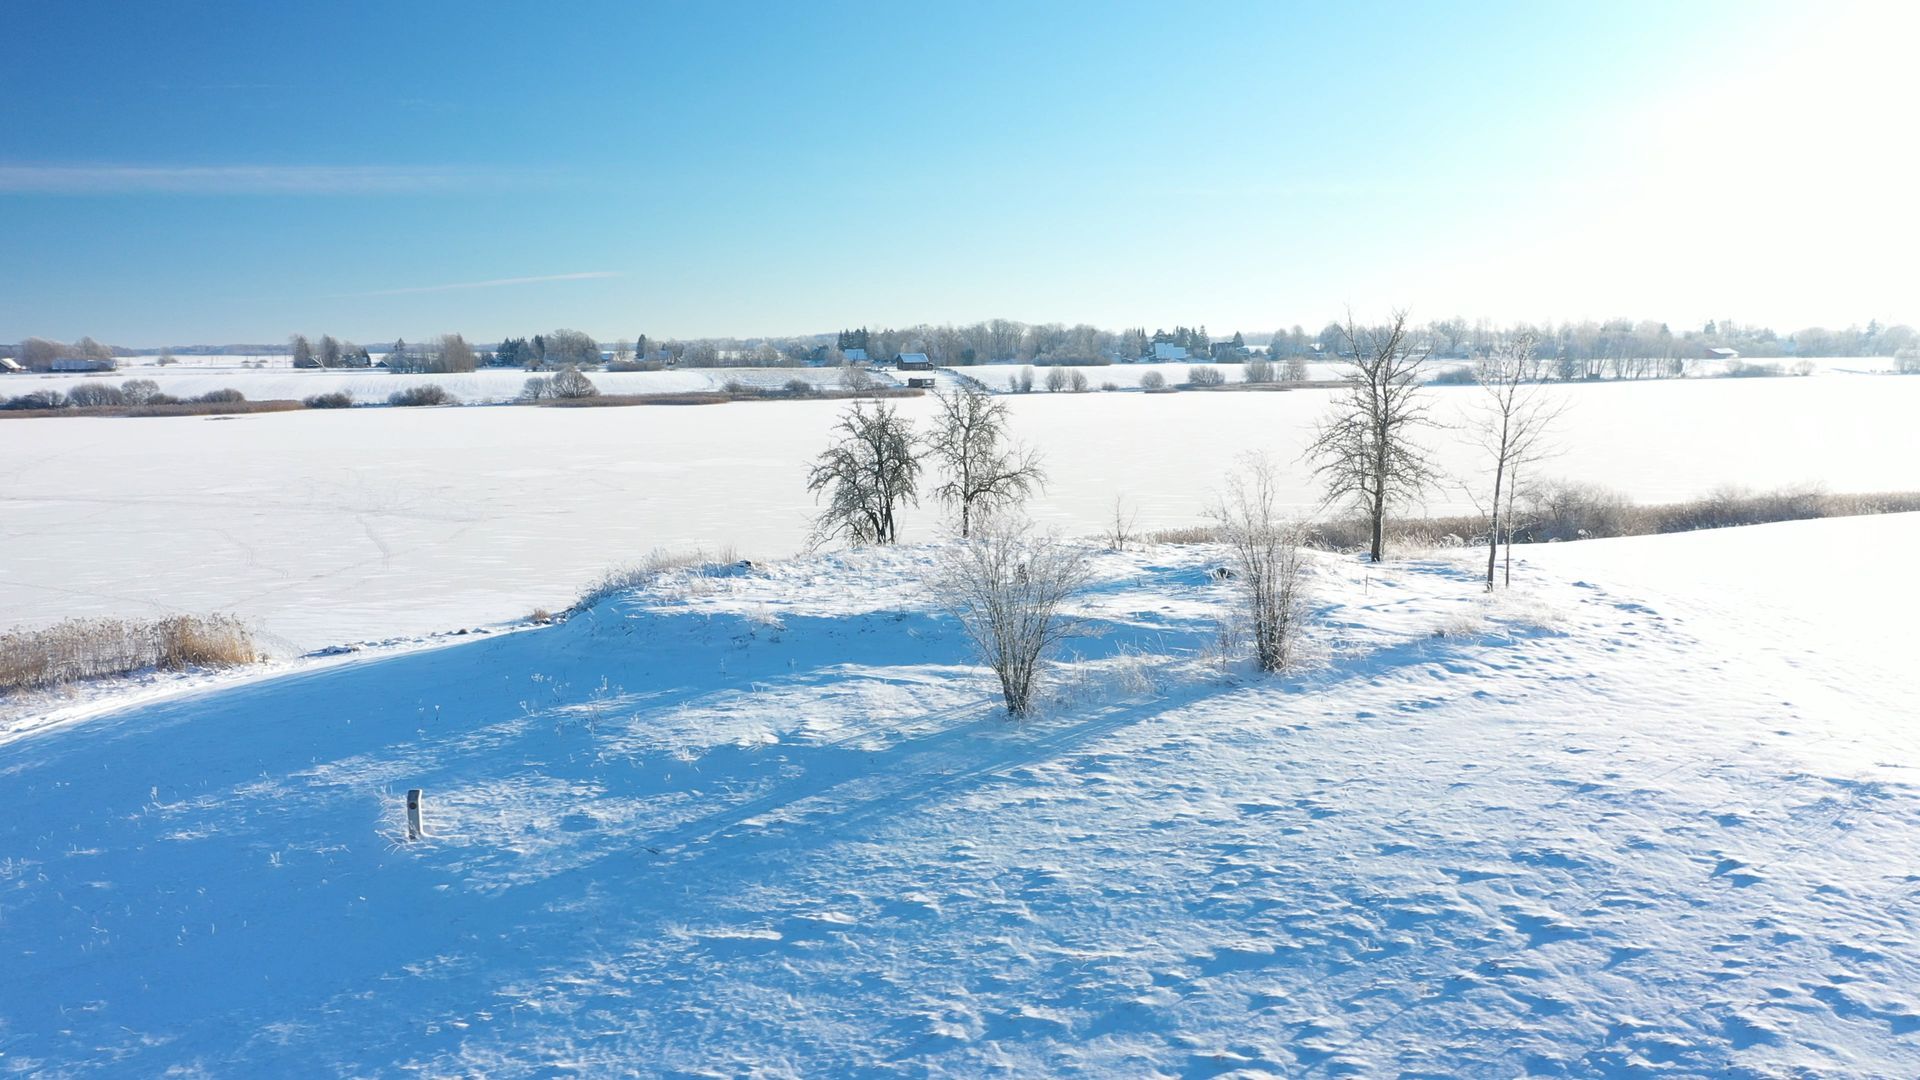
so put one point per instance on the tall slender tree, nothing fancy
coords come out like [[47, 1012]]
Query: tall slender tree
[[1365, 451], [1512, 425], [984, 471], [869, 472]]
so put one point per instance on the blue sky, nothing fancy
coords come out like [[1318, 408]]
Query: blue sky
[[212, 172]]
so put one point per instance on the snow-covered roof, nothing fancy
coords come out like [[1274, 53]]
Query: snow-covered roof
[[854, 354], [913, 358]]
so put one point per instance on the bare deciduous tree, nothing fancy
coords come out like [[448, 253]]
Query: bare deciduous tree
[[38, 354], [1512, 425], [1364, 452], [867, 474], [1009, 589], [1120, 530], [451, 354], [302, 351], [856, 378], [1266, 561], [985, 473], [568, 382], [563, 347]]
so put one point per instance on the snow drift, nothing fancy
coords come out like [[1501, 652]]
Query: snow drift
[[772, 823]]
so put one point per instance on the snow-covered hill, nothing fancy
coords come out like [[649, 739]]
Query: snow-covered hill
[[1644, 817]]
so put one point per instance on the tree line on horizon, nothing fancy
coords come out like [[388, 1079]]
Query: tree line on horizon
[[1621, 348]]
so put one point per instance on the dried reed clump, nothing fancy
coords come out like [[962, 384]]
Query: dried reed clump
[[619, 579], [94, 648]]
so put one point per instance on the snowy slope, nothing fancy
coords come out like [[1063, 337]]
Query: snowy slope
[[771, 824]]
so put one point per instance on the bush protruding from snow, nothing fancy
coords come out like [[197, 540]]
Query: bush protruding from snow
[[1009, 591], [570, 383], [37, 400], [1266, 562], [140, 391], [1199, 375], [91, 393], [426, 394]]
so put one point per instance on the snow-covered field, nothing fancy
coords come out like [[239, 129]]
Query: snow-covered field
[[326, 527], [1652, 815]]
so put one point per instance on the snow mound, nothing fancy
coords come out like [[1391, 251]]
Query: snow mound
[[773, 823]]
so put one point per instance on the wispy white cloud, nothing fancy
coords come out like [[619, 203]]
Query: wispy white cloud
[[587, 275], [246, 179]]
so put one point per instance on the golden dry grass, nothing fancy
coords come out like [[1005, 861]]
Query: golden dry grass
[[93, 648]]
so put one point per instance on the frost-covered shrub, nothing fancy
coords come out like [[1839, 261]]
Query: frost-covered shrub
[[338, 399], [1057, 380], [1266, 561], [570, 383], [1153, 380], [140, 391], [855, 378], [1200, 375], [38, 399], [90, 394], [1077, 382], [538, 388], [228, 396], [1022, 382], [1258, 370], [1570, 511], [799, 387], [425, 394], [1008, 590]]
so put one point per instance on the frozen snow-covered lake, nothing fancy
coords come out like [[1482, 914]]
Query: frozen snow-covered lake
[[324, 527]]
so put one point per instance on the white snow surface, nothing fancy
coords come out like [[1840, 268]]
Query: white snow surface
[[1650, 814], [337, 526]]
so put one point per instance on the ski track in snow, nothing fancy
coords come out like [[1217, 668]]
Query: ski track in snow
[[773, 824]]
